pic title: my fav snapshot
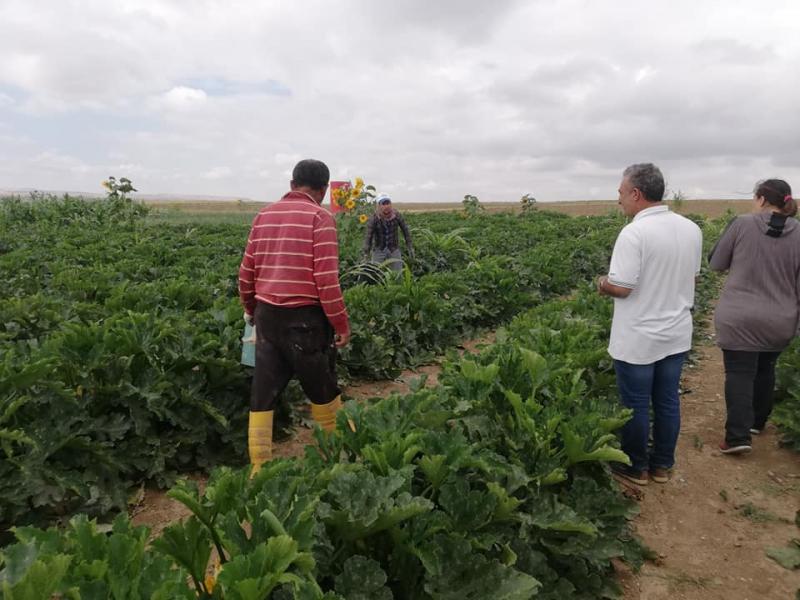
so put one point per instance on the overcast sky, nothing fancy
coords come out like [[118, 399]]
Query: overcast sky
[[428, 100]]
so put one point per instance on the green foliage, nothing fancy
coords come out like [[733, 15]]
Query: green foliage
[[81, 561], [677, 201], [119, 362], [118, 190], [492, 484], [472, 206], [786, 414], [362, 579], [527, 204]]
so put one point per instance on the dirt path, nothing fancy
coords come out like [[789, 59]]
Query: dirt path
[[711, 524]]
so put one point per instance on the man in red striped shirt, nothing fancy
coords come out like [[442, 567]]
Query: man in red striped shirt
[[289, 287]]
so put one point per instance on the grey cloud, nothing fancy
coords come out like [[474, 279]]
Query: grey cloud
[[222, 86], [467, 21], [430, 99], [734, 52]]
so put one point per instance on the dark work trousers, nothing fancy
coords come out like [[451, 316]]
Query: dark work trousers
[[749, 390], [293, 342]]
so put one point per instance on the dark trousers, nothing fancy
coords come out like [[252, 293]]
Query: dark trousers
[[749, 391], [293, 342]]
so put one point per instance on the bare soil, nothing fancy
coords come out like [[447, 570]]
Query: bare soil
[[711, 524], [709, 208]]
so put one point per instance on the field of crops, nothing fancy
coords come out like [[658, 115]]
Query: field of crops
[[787, 408], [119, 335]]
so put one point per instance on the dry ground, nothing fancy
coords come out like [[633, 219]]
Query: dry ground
[[711, 208], [712, 523]]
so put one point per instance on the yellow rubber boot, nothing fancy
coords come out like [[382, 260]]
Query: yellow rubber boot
[[259, 439], [325, 414]]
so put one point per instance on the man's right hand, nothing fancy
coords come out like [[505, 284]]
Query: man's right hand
[[599, 282], [341, 340]]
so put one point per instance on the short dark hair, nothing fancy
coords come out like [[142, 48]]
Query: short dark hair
[[311, 173], [647, 178], [778, 193]]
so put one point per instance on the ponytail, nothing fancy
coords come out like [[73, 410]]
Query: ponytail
[[777, 193]]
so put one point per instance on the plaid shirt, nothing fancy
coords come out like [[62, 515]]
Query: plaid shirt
[[382, 234]]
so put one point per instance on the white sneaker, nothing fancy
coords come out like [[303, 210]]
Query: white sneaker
[[738, 449], [754, 431]]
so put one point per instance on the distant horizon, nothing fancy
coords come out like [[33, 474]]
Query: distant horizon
[[177, 197]]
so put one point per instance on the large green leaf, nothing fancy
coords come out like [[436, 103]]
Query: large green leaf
[[362, 579], [188, 543], [359, 504], [41, 579], [454, 571]]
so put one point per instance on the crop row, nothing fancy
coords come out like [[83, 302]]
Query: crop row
[[787, 408], [490, 485], [119, 337]]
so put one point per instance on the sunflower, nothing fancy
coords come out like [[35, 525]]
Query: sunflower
[[362, 219], [350, 204]]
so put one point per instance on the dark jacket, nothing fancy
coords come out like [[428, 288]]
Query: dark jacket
[[382, 233]]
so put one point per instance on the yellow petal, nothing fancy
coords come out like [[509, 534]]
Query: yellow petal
[[210, 582]]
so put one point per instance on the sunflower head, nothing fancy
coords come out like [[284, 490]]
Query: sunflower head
[[350, 204], [362, 219]]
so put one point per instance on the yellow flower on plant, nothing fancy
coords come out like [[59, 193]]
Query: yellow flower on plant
[[359, 182], [210, 583], [362, 219], [210, 580], [350, 204]]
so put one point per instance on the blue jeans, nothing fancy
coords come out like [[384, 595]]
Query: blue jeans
[[639, 385]]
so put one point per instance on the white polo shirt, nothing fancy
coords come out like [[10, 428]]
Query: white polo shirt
[[657, 256]]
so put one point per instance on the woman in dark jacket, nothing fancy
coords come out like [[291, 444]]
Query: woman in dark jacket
[[757, 314]]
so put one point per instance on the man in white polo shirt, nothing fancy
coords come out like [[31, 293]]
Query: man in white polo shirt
[[651, 279]]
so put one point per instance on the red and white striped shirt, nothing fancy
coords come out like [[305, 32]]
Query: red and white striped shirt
[[292, 259]]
